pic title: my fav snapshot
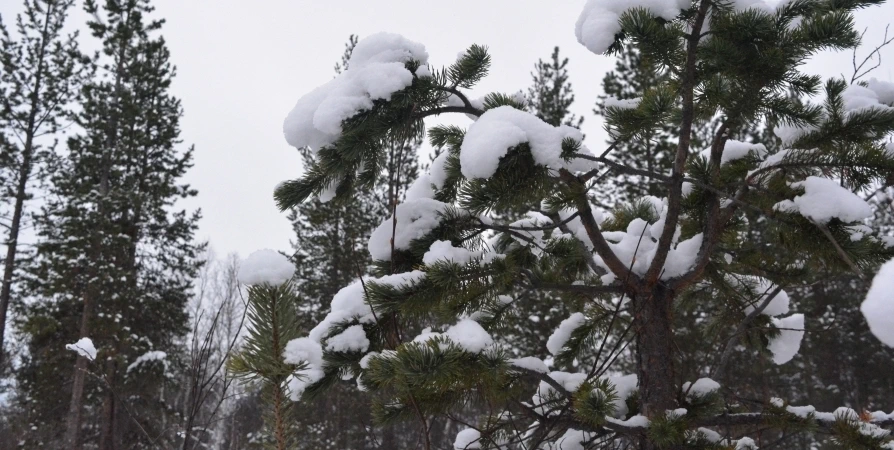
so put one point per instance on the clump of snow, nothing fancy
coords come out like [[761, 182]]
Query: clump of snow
[[625, 386], [878, 95], [801, 411], [353, 339], [859, 98], [349, 302], [734, 150], [83, 347], [573, 440], [530, 363], [301, 380], [266, 267], [701, 387], [682, 257], [303, 350], [598, 23], [759, 288], [825, 199], [878, 307], [445, 251], [364, 362], [421, 188], [576, 227], [557, 340], [415, 219], [529, 234], [469, 335], [375, 71], [636, 247], [791, 133], [438, 170], [499, 129], [477, 103], [570, 381], [884, 90], [746, 443], [637, 421], [710, 435], [848, 415], [626, 103], [786, 345], [423, 71], [154, 355], [467, 439]]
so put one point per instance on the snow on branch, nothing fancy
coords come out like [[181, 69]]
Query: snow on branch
[[266, 267], [83, 347], [878, 307], [375, 71]]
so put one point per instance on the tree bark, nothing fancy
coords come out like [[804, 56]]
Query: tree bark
[[653, 324], [9, 263], [73, 424], [107, 435], [22, 184]]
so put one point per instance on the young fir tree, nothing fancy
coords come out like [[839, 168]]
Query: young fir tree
[[273, 321], [116, 257], [41, 72], [442, 259]]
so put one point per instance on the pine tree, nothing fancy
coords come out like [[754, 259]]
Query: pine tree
[[838, 358], [443, 260], [116, 257], [273, 321], [550, 97], [330, 252], [41, 72], [634, 75]]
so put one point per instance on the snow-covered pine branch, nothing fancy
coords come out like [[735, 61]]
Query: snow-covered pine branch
[[427, 334]]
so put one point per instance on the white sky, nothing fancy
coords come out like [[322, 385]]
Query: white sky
[[243, 64]]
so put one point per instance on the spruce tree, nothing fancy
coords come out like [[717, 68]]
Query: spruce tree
[[116, 257], [41, 72], [444, 261]]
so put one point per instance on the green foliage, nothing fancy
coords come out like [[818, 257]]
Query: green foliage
[[116, 253], [551, 97], [593, 402], [527, 275], [273, 321]]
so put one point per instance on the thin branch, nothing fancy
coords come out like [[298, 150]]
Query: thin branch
[[844, 256], [734, 340]]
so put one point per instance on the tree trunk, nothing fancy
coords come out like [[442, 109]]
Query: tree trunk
[[9, 264], [653, 324], [107, 435], [73, 426], [22, 185]]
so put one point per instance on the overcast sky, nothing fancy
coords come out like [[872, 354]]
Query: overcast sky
[[243, 64]]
